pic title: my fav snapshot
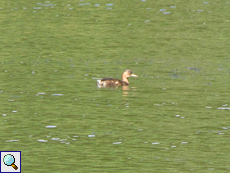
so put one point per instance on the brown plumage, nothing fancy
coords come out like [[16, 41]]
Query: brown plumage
[[108, 82]]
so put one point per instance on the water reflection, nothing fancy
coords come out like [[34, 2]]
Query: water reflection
[[51, 127], [37, 8], [117, 143], [125, 88], [42, 140], [13, 140]]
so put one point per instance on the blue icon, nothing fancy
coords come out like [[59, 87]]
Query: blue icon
[[9, 160]]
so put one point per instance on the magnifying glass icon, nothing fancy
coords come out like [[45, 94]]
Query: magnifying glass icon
[[9, 160]]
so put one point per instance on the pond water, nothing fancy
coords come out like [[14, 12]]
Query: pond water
[[173, 118]]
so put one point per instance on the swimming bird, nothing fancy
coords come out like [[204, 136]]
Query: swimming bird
[[109, 82]]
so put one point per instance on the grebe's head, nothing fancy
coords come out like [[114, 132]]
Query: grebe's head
[[129, 73]]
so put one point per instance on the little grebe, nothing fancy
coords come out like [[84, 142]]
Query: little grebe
[[107, 82]]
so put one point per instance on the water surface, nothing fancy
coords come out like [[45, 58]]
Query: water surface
[[173, 118]]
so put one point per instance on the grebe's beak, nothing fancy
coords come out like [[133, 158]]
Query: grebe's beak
[[133, 75]]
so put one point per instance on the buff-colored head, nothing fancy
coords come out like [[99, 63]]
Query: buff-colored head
[[129, 73]]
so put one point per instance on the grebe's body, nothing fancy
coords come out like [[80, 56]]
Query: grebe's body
[[109, 82]]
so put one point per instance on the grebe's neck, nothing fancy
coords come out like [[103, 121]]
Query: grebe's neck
[[124, 78]]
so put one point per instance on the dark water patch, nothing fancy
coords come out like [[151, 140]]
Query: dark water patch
[[194, 68]]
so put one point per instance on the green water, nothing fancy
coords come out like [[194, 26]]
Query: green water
[[173, 118]]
